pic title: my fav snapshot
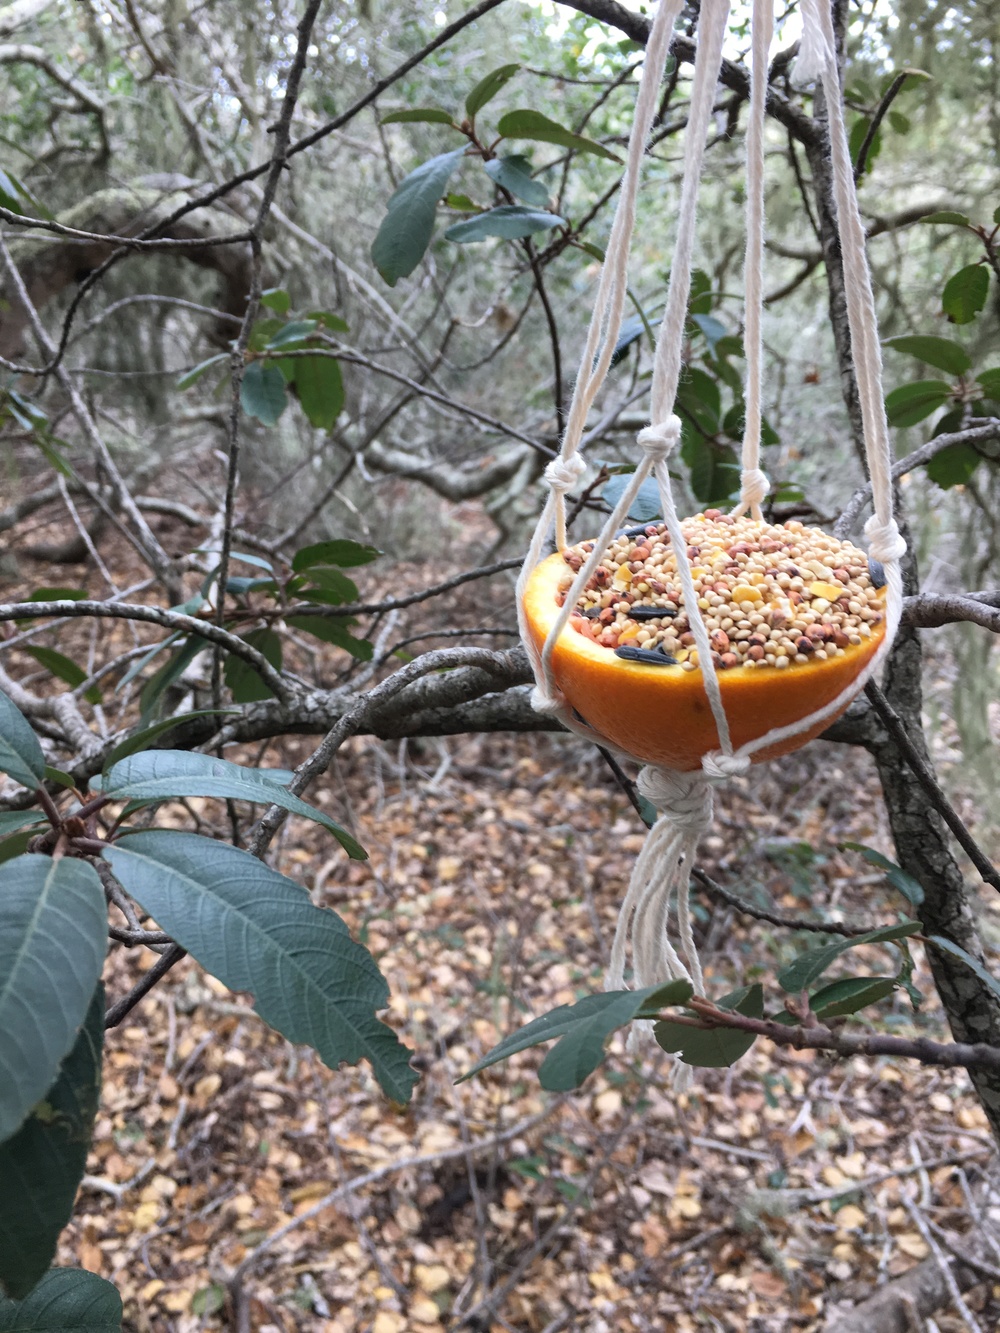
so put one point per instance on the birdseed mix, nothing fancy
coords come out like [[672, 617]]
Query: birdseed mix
[[772, 595]]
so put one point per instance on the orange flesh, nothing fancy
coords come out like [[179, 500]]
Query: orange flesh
[[661, 715]]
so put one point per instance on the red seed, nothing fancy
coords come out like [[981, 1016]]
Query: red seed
[[756, 652], [729, 660]]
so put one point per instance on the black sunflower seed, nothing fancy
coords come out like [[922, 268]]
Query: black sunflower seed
[[649, 612], [652, 656], [876, 573]]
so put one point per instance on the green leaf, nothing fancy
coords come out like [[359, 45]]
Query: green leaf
[[262, 393], [408, 224], [953, 466], [176, 664], [698, 394], [16, 844], [145, 736], [208, 1300], [509, 221], [53, 938], [20, 754], [899, 122], [712, 329], [57, 775], [700, 293], [164, 775], [646, 505], [859, 131], [734, 423], [341, 552], [335, 631], [461, 203], [947, 216], [63, 669], [513, 173], [804, 970], [67, 1300], [291, 334], [327, 320], [15, 819], [965, 293], [276, 299], [585, 1026], [487, 88], [714, 1048], [319, 387], [192, 376], [257, 931], [533, 125], [911, 403], [941, 353], [956, 951], [429, 114], [244, 683], [849, 995], [911, 889], [42, 1164], [60, 594], [990, 380]]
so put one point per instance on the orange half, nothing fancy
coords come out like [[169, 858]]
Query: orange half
[[661, 715]]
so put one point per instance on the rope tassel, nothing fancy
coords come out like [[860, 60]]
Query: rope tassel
[[661, 872]]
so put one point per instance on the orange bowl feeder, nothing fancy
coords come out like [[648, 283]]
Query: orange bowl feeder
[[794, 616]]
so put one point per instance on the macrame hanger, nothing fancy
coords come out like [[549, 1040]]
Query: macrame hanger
[[685, 799]]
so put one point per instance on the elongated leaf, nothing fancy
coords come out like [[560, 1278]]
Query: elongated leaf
[[513, 173], [245, 684], [262, 393], [258, 931], [487, 88], [162, 775], [533, 125], [63, 668], [431, 114], [328, 630], [144, 738], [20, 754], [160, 681], [956, 951], [509, 221], [292, 334], [15, 819], [41, 1165], [587, 1025], [990, 380], [965, 293], [941, 353], [408, 224], [276, 299], [910, 888], [850, 994], [714, 1048], [947, 216], [911, 403], [319, 387], [53, 937], [195, 373], [801, 973], [57, 595], [67, 1300], [341, 552]]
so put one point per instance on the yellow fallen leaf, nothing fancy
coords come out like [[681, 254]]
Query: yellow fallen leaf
[[850, 1217], [913, 1244], [152, 1289], [852, 1165], [425, 1311], [833, 1177], [177, 1302], [146, 1215], [449, 868], [388, 1321], [431, 1277]]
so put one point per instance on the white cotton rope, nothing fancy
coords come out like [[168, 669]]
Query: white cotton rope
[[684, 800]]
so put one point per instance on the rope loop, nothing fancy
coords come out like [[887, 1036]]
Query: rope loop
[[661, 439], [885, 543], [683, 798], [717, 766], [562, 474], [814, 52], [548, 702]]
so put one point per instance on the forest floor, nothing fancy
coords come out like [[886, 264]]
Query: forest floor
[[237, 1184]]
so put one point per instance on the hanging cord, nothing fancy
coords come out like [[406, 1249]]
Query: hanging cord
[[754, 485], [563, 473]]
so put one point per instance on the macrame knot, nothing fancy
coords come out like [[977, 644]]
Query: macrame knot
[[684, 798], [562, 474], [716, 766], [661, 439], [813, 54], [755, 486], [885, 543], [548, 703]]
